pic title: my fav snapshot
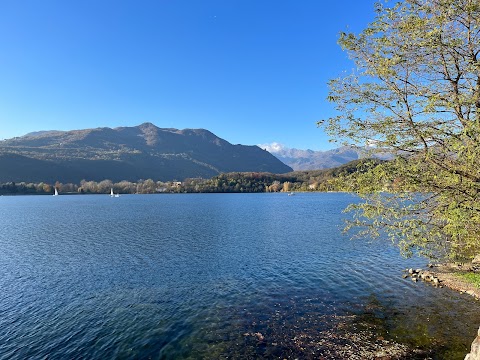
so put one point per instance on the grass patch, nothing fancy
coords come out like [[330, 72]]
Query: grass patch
[[470, 277]]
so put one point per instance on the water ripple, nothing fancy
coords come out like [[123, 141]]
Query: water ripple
[[182, 276]]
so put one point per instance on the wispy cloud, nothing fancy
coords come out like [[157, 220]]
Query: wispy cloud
[[371, 143], [273, 147]]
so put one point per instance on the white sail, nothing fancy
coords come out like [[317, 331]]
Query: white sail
[[56, 192], [111, 192]]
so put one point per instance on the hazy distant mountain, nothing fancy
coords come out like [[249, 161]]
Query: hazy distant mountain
[[316, 160], [127, 153]]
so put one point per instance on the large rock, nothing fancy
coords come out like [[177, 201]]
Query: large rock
[[476, 260], [475, 349]]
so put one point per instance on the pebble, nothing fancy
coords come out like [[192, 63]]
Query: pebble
[[259, 336]]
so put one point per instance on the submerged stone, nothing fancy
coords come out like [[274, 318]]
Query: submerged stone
[[475, 349]]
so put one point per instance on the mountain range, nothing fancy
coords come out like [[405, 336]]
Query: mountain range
[[128, 153], [300, 160]]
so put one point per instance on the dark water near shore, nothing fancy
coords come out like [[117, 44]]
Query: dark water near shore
[[195, 276]]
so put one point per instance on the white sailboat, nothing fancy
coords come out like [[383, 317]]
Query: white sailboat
[[56, 192], [112, 194]]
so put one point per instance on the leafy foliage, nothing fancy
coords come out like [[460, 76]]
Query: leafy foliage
[[416, 94]]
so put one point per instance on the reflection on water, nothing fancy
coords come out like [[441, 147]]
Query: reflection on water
[[211, 276]]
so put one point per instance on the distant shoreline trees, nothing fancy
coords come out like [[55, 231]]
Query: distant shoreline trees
[[237, 182]]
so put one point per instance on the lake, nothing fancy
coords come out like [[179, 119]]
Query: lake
[[208, 276]]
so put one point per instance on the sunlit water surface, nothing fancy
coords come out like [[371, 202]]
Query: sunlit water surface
[[190, 276]]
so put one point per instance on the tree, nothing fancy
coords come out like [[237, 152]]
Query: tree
[[104, 186], [416, 94], [47, 188]]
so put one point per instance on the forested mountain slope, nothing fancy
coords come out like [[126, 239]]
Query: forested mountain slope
[[127, 153]]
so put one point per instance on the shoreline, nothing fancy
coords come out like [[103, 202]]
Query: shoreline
[[447, 276]]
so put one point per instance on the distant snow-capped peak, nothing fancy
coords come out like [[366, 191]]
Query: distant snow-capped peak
[[299, 159]]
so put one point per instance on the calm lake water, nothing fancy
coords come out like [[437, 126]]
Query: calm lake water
[[195, 276]]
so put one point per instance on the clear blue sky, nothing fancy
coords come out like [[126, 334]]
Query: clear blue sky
[[251, 71]]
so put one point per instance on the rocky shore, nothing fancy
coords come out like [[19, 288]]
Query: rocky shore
[[445, 275], [310, 328]]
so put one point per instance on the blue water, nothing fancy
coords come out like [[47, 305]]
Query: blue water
[[186, 276]]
